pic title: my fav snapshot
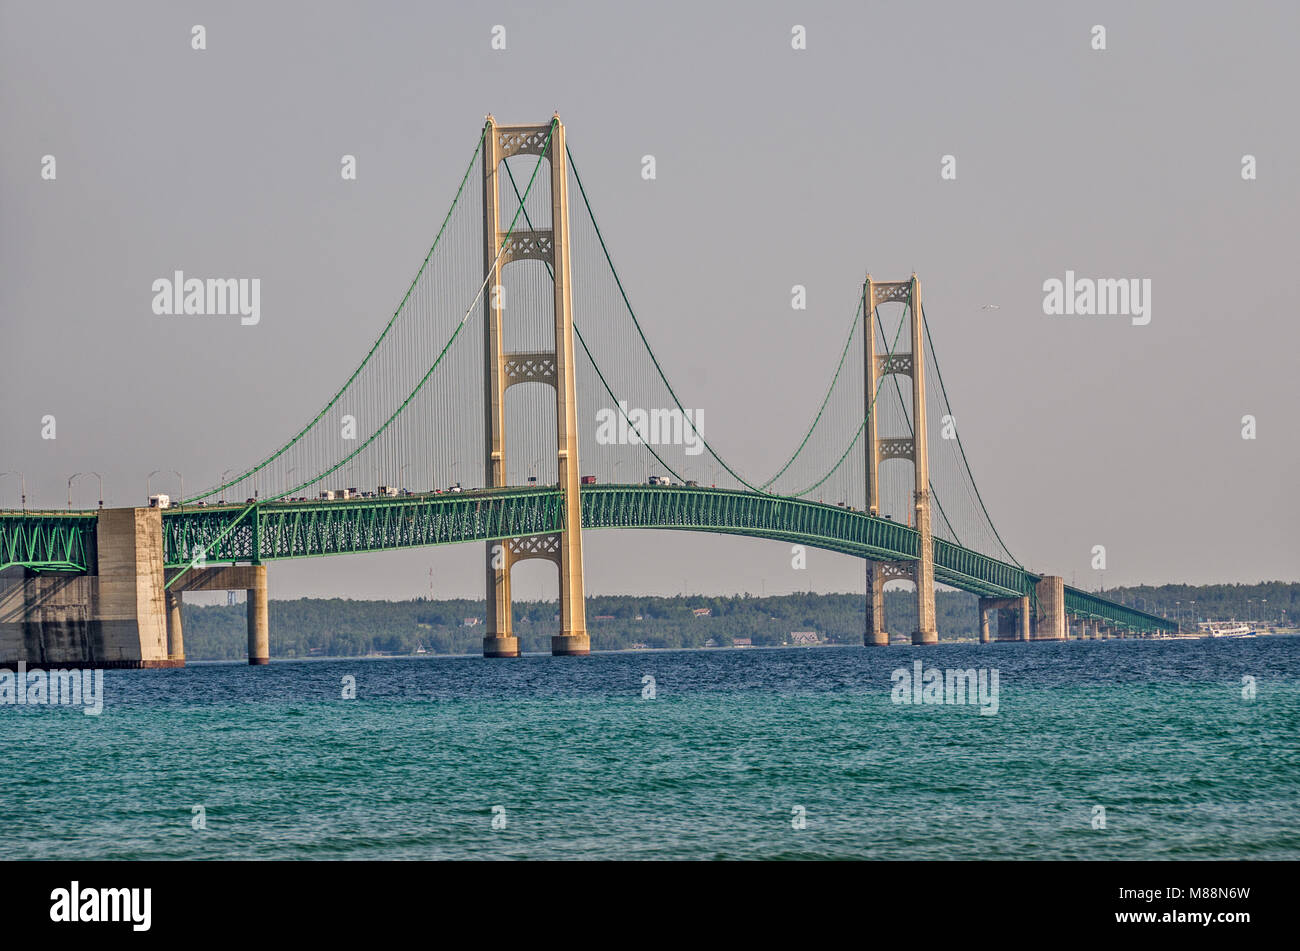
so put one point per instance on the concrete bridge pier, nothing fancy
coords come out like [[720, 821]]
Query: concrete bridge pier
[[1013, 618], [1050, 622], [175, 635], [259, 634], [251, 579], [875, 634]]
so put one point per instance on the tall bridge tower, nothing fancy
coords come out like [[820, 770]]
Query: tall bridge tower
[[556, 367], [877, 366]]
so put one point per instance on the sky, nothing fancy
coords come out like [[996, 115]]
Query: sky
[[775, 166]]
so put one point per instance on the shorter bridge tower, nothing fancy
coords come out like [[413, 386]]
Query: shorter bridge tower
[[916, 448]]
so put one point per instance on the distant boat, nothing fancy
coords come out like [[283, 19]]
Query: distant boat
[[1229, 629], [419, 649]]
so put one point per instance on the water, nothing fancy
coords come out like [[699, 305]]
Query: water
[[1157, 733]]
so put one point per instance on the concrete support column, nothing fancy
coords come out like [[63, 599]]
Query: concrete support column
[[1050, 623], [984, 621], [501, 646], [175, 636], [1024, 618], [875, 634], [259, 640]]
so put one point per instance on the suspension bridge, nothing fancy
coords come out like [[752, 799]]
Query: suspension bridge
[[518, 297]]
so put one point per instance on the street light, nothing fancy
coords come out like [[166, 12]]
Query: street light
[[22, 481], [182, 482], [401, 480], [77, 476], [288, 481]]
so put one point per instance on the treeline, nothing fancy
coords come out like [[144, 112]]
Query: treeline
[[1274, 603], [345, 628]]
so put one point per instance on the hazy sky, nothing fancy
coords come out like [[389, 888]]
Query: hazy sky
[[775, 167]]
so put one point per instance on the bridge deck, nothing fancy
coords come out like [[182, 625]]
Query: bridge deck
[[268, 531]]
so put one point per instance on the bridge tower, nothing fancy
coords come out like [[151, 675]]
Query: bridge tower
[[556, 367], [878, 366]]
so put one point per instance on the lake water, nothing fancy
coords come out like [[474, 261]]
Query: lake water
[[795, 753]]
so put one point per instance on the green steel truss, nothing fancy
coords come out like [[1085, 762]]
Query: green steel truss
[[48, 541], [1092, 607], [279, 530]]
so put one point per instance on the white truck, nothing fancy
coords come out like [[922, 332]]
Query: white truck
[[160, 501], [327, 495]]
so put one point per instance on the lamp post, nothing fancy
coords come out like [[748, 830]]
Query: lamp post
[[22, 481], [181, 479], [401, 480], [72, 478], [148, 480], [101, 487]]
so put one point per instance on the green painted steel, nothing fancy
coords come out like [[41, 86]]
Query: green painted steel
[[1093, 607], [281, 530], [48, 541]]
